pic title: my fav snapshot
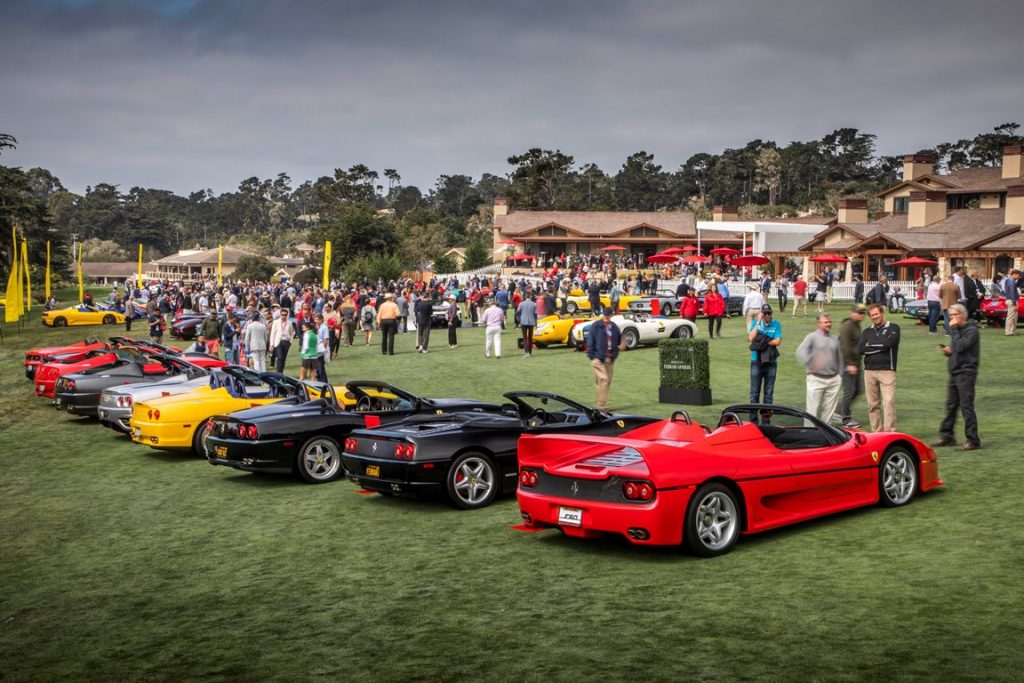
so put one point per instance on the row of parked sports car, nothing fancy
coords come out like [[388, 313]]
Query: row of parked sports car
[[574, 468]]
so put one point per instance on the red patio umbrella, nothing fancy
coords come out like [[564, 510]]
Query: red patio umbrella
[[828, 258], [523, 257], [510, 243], [696, 258], [690, 247], [675, 251], [613, 247], [662, 258], [725, 251], [751, 260], [914, 261]]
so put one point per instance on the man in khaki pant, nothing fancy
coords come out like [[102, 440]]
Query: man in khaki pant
[[879, 345], [1010, 291], [604, 341]]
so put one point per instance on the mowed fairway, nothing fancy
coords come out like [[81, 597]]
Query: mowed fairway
[[119, 562]]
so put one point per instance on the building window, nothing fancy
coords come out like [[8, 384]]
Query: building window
[[644, 232], [963, 201], [899, 204], [552, 232]]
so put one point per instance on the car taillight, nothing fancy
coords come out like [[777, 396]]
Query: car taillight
[[405, 451], [528, 479], [637, 490], [156, 414], [150, 413], [124, 401], [350, 445], [251, 432], [69, 385]]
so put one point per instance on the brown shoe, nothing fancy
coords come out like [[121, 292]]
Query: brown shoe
[[968, 446], [939, 443]]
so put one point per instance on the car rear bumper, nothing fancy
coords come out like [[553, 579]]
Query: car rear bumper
[[168, 435], [78, 404], [659, 522], [391, 476], [272, 455]]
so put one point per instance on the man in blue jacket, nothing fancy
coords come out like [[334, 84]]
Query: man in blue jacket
[[604, 341]]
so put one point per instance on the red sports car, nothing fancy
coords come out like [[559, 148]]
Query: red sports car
[[993, 309], [676, 481], [47, 374], [45, 354]]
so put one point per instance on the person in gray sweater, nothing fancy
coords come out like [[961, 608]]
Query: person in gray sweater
[[819, 352], [528, 321]]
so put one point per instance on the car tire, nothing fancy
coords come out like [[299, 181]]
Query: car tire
[[60, 321], [897, 478], [682, 332], [319, 460], [473, 481], [572, 307], [666, 310], [712, 524], [108, 320], [631, 338], [199, 439]]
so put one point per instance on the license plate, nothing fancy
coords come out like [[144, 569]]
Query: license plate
[[570, 516], [41, 388], [372, 471], [58, 402], [137, 432], [221, 451]]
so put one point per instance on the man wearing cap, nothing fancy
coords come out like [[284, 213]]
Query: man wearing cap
[[849, 347], [765, 336], [387, 322], [604, 341], [211, 329], [752, 303]]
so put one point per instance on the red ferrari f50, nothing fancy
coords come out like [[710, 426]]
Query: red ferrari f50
[[676, 481]]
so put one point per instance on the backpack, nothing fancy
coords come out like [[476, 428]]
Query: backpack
[[367, 315]]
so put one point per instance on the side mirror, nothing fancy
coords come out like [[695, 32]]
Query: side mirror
[[859, 438]]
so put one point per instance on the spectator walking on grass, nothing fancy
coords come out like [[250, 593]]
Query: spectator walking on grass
[[367, 315], [211, 330], [527, 314], [256, 337], [800, 295], [752, 303], [1010, 291], [879, 346], [387, 321], [849, 348], [604, 341], [281, 333], [493, 319], [423, 311], [714, 309], [452, 317], [934, 304], [819, 352]]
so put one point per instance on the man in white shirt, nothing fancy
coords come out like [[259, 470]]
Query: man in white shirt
[[492, 320], [752, 303]]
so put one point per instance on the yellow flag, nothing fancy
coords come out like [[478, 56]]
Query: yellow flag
[[12, 302], [81, 283], [47, 283], [138, 283], [327, 264], [28, 277], [220, 265]]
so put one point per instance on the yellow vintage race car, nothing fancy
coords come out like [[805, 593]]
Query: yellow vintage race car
[[575, 304], [180, 421], [83, 314], [554, 329]]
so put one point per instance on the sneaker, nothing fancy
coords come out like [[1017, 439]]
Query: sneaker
[[940, 442], [852, 424]]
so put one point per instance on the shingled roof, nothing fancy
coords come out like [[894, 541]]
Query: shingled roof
[[596, 224]]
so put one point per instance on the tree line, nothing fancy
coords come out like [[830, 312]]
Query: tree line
[[379, 225]]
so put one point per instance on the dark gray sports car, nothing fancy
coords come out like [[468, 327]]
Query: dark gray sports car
[[468, 457]]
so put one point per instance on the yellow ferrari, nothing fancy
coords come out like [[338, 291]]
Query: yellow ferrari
[[554, 329], [575, 304], [179, 421], [83, 314]]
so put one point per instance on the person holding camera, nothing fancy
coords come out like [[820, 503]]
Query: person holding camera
[[765, 336]]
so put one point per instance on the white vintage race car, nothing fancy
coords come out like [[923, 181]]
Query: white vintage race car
[[640, 328]]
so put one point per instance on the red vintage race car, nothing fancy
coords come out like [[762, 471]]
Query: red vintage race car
[[677, 482], [993, 309]]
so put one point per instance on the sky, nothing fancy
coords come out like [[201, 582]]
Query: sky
[[191, 94]]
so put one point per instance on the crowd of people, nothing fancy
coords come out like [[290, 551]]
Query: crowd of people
[[256, 324]]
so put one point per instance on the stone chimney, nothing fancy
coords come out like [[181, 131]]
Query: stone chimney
[[926, 207], [853, 211], [916, 165], [500, 206], [721, 213], [1012, 161], [1015, 206]]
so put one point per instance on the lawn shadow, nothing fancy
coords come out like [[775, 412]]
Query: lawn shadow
[[171, 456], [263, 480]]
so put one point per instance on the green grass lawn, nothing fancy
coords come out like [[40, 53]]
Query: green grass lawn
[[118, 562]]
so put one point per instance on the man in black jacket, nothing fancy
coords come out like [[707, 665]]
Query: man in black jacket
[[879, 345], [964, 353]]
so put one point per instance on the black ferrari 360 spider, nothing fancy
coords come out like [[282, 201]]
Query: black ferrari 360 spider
[[306, 438], [469, 457]]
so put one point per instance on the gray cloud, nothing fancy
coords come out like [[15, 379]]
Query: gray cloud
[[189, 94]]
